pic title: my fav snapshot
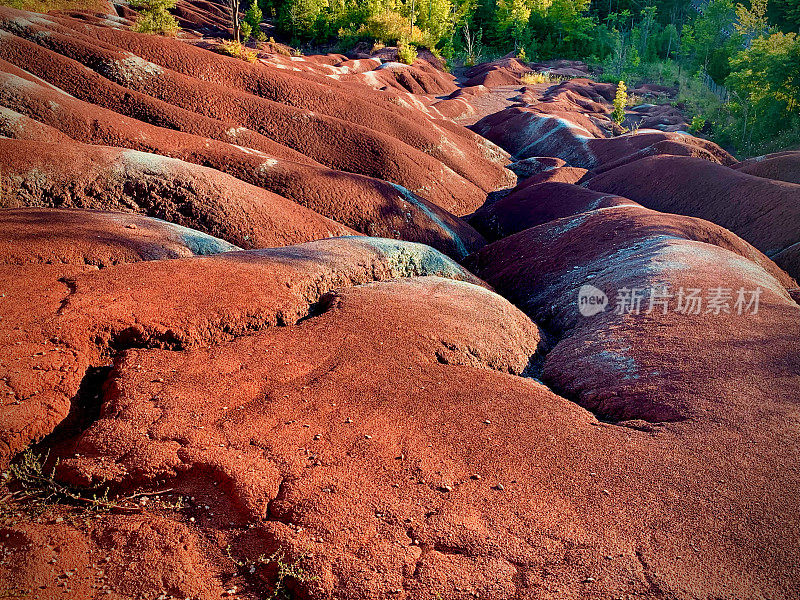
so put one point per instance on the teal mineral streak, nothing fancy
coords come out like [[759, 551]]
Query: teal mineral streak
[[411, 199]]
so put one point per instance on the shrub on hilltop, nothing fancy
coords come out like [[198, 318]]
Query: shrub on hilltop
[[154, 17]]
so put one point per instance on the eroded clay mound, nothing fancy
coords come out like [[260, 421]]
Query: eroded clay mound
[[571, 121], [783, 166], [578, 139], [101, 239], [663, 117], [59, 343], [389, 431], [58, 50], [202, 16], [354, 104], [788, 259], [557, 174], [39, 248], [367, 408], [535, 165], [532, 205], [676, 146], [574, 90], [368, 205], [419, 78], [561, 67], [504, 71], [21, 127], [764, 212], [97, 177], [624, 248]]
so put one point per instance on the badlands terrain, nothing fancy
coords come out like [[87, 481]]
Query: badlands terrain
[[309, 327]]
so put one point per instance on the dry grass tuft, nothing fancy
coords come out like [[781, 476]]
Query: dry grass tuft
[[237, 50], [541, 77]]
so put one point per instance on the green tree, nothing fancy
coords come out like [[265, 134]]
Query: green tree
[[512, 18], [435, 18], [751, 22], [569, 25], [253, 18], [767, 76], [785, 14], [298, 18], [711, 40]]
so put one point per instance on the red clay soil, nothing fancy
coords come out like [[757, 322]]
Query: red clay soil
[[535, 165], [360, 417], [383, 438], [37, 248], [571, 121], [21, 127], [203, 16], [367, 205], [501, 72], [788, 259], [323, 96], [535, 204], [561, 68], [764, 212], [625, 247], [663, 117], [783, 166], [363, 108], [680, 144], [673, 147], [559, 174], [419, 78], [100, 239], [654, 90], [172, 99], [576, 138], [83, 176], [494, 100], [37, 293]]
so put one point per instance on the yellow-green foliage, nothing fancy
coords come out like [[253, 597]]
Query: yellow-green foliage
[[237, 50], [634, 100], [389, 27], [406, 52], [620, 102], [697, 124], [154, 17], [295, 570]]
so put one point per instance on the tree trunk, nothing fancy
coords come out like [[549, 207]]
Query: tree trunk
[[234, 6]]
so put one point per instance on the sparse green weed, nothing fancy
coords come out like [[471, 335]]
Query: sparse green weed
[[31, 488], [295, 570]]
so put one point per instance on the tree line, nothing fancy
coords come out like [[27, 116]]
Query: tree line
[[737, 64]]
